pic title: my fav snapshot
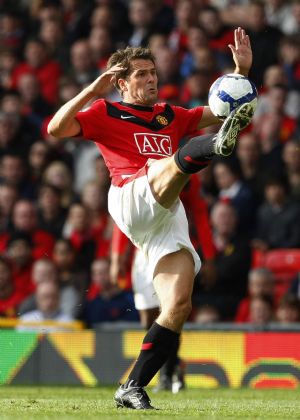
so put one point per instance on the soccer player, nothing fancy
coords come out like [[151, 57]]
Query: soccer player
[[138, 139]]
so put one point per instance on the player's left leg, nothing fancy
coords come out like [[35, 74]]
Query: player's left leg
[[147, 303], [173, 280]]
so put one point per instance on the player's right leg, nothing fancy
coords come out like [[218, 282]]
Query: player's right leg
[[167, 177]]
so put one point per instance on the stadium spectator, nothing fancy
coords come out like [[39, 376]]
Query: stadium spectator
[[184, 19], [248, 154], [12, 139], [197, 87], [141, 17], [24, 219], [289, 54], [276, 76], [260, 283], [111, 303], [44, 271], [94, 198], [12, 104], [101, 172], [35, 107], [59, 175], [206, 314], [264, 39], [274, 126], [46, 70], [58, 151], [19, 252], [8, 198], [288, 310], [79, 231], [76, 16], [51, 215], [52, 34], [277, 218], [232, 263], [12, 172], [83, 67], [69, 270], [261, 311], [38, 158], [279, 14], [167, 67], [101, 46], [157, 42], [12, 30], [48, 309], [196, 38], [8, 62], [102, 17], [291, 159], [234, 190], [219, 35], [10, 296]]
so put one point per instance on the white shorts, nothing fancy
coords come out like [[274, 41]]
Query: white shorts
[[145, 296], [155, 230]]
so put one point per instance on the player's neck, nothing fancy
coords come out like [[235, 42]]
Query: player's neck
[[138, 107]]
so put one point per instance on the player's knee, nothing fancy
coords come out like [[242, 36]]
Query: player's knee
[[180, 309]]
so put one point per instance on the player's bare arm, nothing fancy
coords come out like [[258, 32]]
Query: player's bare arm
[[242, 57], [64, 123]]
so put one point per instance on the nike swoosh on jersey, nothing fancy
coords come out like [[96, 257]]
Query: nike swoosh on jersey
[[125, 117]]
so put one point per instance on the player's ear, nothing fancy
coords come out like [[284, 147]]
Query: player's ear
[[122, 85]]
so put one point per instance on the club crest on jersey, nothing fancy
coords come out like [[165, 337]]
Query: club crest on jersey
[[162, 120], [153, 144]]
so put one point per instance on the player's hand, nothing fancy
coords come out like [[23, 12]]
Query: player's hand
[[105, 81], [241, 52]]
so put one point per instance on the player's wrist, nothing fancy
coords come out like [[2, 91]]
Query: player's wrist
[[242, 71]]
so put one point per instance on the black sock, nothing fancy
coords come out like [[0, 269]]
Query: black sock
[[155, 351], [172, 361], [196, 154]]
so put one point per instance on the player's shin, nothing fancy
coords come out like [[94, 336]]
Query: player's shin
[[196, 154], [155, 350]]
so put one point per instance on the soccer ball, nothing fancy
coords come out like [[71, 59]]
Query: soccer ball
[[230, 91]]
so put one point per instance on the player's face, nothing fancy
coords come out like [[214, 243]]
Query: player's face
[[141, 86]]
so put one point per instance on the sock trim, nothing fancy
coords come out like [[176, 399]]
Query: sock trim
[[147, 346]]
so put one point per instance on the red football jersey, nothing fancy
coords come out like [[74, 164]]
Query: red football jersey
[[128, 135]]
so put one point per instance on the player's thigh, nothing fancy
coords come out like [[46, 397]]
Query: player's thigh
[[166, 181], [174, 279]]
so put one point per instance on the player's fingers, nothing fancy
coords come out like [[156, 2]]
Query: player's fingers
[[240, 34], [236, 43], [233, 49], [248, 43], [243, 36], [115, 69]]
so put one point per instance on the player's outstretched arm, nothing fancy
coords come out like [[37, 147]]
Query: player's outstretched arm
[[64, 123], [242, 57]]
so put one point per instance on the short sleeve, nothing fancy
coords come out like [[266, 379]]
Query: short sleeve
[[188, 120], [92, 120]]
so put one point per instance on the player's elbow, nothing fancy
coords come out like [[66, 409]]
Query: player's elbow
[[54, 130]]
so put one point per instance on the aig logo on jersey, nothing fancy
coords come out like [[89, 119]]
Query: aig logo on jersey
[[149, 144]]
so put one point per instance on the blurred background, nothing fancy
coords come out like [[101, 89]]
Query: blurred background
[[56, 294]]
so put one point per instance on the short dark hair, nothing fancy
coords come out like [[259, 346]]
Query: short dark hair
[[124, 57]]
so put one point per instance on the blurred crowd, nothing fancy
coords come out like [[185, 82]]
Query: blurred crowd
[[55, 231]]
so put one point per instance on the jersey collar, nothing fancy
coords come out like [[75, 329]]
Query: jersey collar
[[138, 107]]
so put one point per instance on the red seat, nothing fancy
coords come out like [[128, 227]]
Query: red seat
[[284, 264]]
